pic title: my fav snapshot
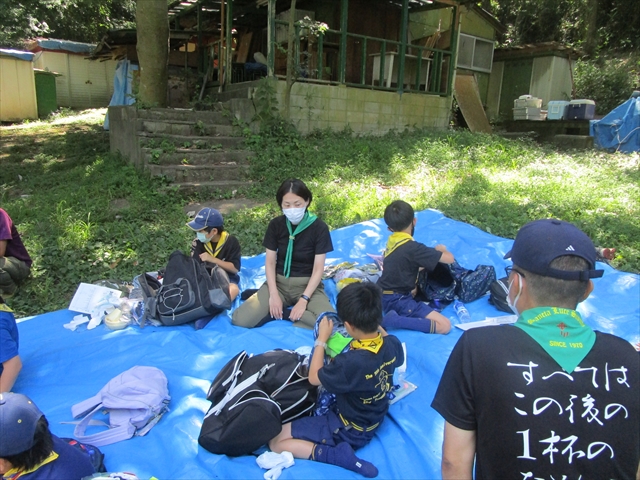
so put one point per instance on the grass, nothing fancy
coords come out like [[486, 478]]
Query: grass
[[86, 215]]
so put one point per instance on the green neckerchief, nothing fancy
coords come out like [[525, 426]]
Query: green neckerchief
[[395, 240], [561, 332], [307, 220], [224, 236]]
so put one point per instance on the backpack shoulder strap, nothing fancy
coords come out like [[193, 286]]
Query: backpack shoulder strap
[[82, 408], [106, 437]]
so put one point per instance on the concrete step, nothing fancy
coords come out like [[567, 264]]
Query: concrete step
[[573, 141], [185, 115], [200, 173], [195, 157], [186, 128], [150, 140], [221, 186]]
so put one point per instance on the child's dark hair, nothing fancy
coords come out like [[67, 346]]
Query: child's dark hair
[[398, 215], [220, 229], [295, 186], [360, 304], [37, 454]]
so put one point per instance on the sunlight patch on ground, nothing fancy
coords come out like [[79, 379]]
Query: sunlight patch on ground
[[91, 116]]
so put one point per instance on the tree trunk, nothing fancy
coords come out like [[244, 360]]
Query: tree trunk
[[152, 24], [291, 74], [591, 32]]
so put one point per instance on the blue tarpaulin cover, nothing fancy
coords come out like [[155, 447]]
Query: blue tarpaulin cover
[[27, 56], [122, 87], [62, 367], [619, 130], [65, 45]]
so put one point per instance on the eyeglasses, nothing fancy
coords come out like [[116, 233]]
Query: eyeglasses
[[510, 268]]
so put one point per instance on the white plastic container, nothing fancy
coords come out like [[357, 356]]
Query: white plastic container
[[529, 113], [527, 101], [556, 109]]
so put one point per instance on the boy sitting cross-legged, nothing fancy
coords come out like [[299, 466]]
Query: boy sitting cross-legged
[[403, 259], [360, 378]]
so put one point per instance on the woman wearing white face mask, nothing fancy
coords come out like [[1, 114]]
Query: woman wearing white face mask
[[297, 244]]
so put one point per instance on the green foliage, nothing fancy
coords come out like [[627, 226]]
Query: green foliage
[[607, 81], [78, 20]]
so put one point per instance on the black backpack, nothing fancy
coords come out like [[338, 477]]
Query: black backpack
[[188, 291], [252, 397], [498, 294]]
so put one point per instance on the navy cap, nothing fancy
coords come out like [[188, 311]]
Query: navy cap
[[540, 242], [207, 217], [18, 420]]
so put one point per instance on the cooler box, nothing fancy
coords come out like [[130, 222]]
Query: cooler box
[[556, 109], [524, 101], [580, 110]]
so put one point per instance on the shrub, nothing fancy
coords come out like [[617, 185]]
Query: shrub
[[607, 81]]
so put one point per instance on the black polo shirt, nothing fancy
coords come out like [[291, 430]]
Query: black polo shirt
[[402, 265], [314, 240]]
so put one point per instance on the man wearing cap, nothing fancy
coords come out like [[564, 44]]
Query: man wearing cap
[[28, 449], [15, 262], [214, 246], [548, 397]]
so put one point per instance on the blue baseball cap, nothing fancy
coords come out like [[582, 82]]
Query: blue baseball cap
[[540, 242], [207, 217], [18, 420]]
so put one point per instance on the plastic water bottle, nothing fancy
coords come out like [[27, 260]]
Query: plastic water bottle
[[461, 311]]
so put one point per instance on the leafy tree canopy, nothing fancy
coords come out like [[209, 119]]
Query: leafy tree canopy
[[77, 20]]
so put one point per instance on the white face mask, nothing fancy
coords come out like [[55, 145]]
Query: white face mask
[[512, 306], [295, 215]]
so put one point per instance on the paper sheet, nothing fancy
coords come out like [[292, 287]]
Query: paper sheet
[[489, 321], [88, 296]]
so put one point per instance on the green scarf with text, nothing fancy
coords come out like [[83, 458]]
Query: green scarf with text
[[560, 332]]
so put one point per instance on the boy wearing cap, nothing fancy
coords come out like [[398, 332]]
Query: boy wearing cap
[[10, 363], [213, 245], [28, 449], [548, 397]]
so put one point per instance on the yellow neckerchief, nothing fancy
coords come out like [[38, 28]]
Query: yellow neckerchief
[[14, 473], [371, 344], [395, 240], [223, 239], [4, 308]]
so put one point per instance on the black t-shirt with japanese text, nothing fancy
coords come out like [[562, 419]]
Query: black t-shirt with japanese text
[[401, 266], [534, 420], [361, 380], [230, 252], [312, 241]]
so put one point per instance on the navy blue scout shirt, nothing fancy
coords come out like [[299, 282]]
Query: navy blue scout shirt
[[361, 381], [402, 265], [230, 252], [71, 464], [314, 240]]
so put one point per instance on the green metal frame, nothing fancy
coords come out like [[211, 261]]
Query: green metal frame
[[437, 59]]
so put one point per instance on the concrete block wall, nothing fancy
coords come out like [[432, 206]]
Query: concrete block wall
[[365, 111]]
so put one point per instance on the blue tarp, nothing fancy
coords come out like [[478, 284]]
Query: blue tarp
[[620, 129], [63, 367], [27, 56], [122, 87], [65, 45]]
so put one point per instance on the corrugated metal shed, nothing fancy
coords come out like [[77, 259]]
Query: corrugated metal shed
[[17, 86], [83, 83]]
